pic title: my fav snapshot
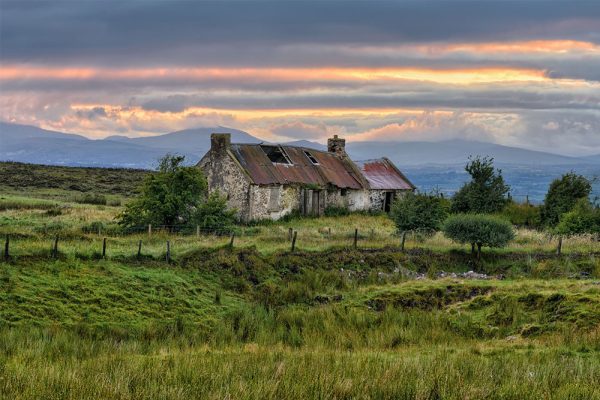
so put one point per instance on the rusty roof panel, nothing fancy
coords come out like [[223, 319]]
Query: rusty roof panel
[[382, 174], [330, 169]]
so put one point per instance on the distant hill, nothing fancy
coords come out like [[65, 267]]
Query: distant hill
[[31, 144], [428, 164], [194, 140]]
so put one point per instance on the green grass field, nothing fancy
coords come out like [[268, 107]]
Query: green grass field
[[258, 321]]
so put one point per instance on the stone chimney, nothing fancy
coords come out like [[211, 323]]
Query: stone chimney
[[337, 146], [220, 142]]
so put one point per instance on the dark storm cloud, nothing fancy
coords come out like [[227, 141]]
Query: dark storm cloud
[[145, 32], [436, 98]]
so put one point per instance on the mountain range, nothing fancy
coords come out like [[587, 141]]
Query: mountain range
[[31, 144], [430, 165]]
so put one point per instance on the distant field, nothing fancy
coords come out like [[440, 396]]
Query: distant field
[[259, 321], [48, 180]]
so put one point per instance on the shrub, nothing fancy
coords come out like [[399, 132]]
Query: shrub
[[478, 230], [213, 215], [583, 218], [525, 215], [563, 194], [336, 211], [170, 197], [91, 198], [485, 193], [114, 202], [419, 212]]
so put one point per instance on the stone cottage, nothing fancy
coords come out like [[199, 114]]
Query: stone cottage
[[268, 181]]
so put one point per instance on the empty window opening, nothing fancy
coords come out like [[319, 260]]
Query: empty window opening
[[311, 157], [276, 154], [344, 192]]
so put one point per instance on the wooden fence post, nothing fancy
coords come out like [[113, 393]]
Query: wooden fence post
[[355, 238], [6, 254], [329, 232], [55, 248], [290, 234], [139, 254], [403, 240], [294, 240], [168, 251], [149, 229], [559, 247], [104, 248], [231, 240], [197, 230]]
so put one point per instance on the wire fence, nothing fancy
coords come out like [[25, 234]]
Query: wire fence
[[161, 240]]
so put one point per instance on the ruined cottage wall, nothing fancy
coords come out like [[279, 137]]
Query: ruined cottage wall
[[357, 200], [354, 200], [273, 202], [224, 175], [377, 197]]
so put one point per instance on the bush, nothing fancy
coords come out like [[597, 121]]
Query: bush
[[170, 197], [419, 212], [563, 194], [584, 218], [114, 202], [479, 230], [213, 215], [91, 198], [525, 215], [336, 211]]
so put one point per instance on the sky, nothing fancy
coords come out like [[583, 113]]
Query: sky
[[517, 73]]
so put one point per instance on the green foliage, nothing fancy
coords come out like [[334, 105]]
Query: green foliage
[[479, 230], [522, 214], [583, 218], [336, 211], [563, 195], [169, 197], [485, 193], [91, 198], [213, 215], [419, 212]]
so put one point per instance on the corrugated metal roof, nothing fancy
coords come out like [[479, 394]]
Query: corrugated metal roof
[[330, 169], [382, 174]]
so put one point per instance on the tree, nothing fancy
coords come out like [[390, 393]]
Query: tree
[[478, 230], [485, 193], [169, 197], [583, 218], [563, 194], [422, 212], [213, 215]]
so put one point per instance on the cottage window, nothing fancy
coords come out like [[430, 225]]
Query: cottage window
[[311, 157], [276, 154], [344, 192]]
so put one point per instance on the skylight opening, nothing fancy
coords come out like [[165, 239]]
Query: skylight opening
[[276, 154], [311, 157]]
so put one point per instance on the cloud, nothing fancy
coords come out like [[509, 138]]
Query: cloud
[[66, 31], [439, 125]]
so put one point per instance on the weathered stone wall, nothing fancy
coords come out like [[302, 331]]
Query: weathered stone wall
[[357, 200], [224, 175], [273, 202], [377, 197]]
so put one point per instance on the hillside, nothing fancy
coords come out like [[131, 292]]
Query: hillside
[[326, 320], [20, 177]]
